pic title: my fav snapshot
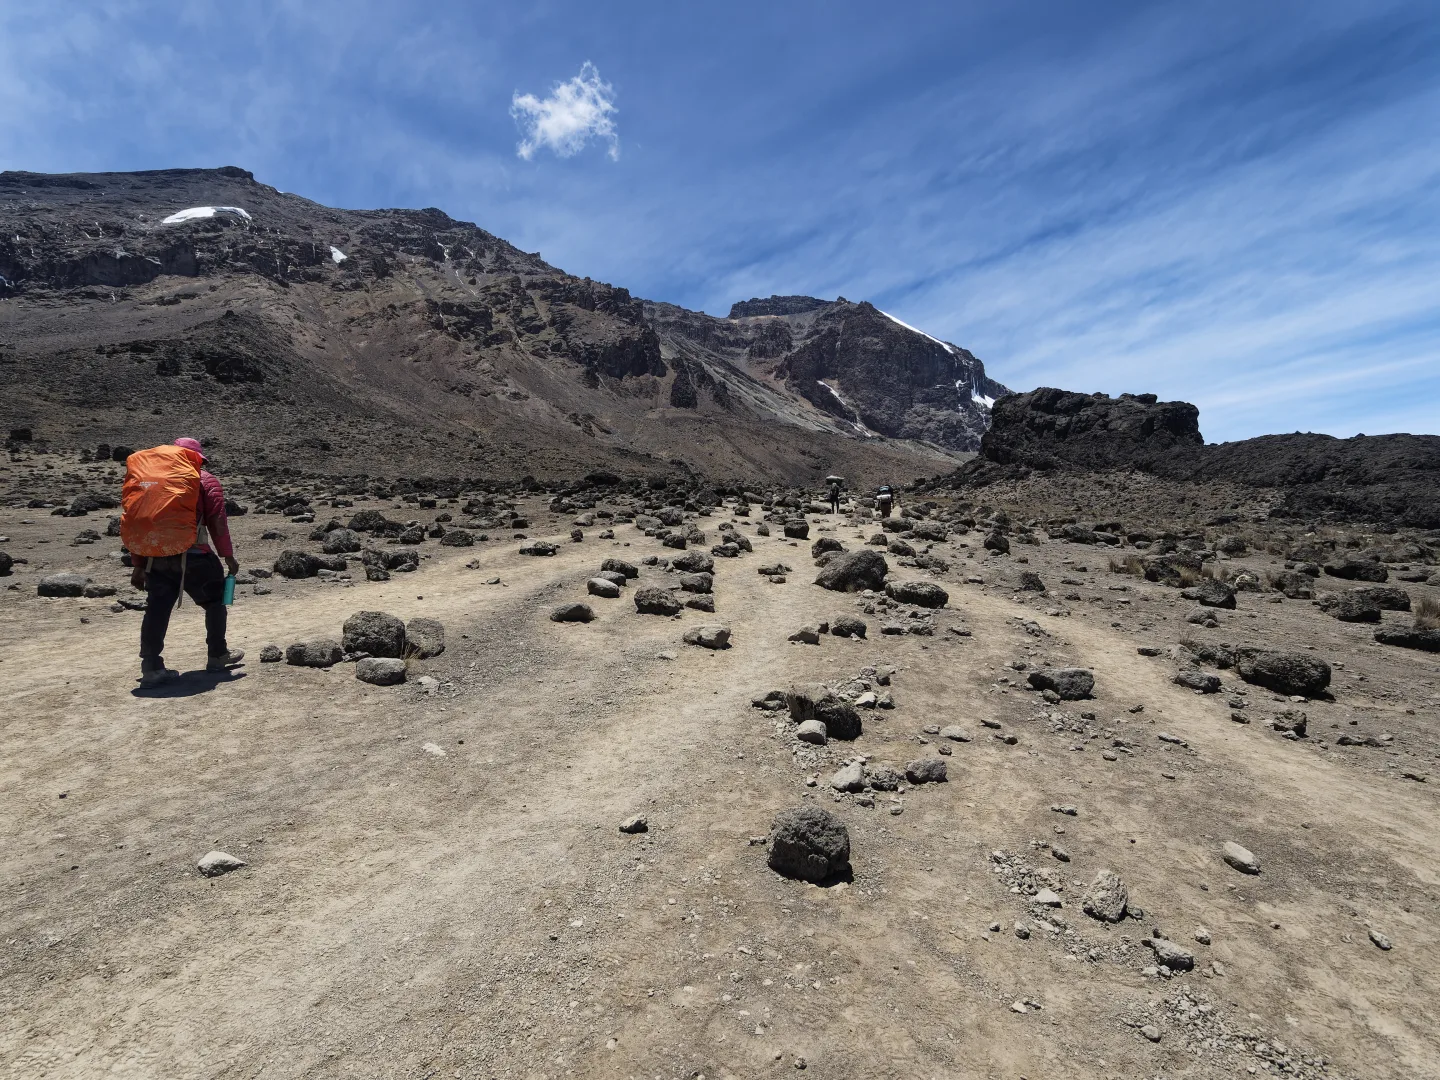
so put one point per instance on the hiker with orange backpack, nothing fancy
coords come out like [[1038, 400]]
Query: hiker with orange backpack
[[171, 511]]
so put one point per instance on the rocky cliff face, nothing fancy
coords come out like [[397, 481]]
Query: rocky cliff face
[[871, 373], [1390, 479], [1049, 428], [136, 306]]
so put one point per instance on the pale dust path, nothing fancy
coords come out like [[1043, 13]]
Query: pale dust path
[[477, 914]]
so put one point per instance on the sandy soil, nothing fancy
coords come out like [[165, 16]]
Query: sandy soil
[[437, 888]]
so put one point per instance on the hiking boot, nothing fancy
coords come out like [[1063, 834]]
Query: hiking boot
[[224, 660], [156, 677]]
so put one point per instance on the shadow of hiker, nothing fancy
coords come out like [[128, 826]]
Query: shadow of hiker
[[189, 684]]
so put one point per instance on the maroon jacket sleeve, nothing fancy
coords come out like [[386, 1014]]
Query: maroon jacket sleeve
[[212, 495]]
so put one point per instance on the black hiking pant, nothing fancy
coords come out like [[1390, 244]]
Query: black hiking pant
[[204, 583], [834, 502]]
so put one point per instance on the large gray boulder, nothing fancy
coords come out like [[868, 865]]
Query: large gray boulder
[[1386, 597], [1107, 898], [323, 653], [340, 541], [296, 564], [840, 717], [380, 670], [1357, 570], [1283, 672], [848, 626], [708, 637], [424, 638], [855, 572], [653, 600], [809, 843], [1353, 605], [603, 588], [1072, 684], [573, 612], [375, 632], [1415, 638], [920, 593], [620, 566], [694, 562], [1211, 593], [66, 584]]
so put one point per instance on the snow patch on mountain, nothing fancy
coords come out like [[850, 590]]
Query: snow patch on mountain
[[336, 255], [196, 213], [856, 423], [943, 344]]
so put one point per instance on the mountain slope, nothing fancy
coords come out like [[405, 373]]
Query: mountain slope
[[296, 335]]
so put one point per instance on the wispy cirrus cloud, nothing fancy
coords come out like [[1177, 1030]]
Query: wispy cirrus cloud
[[577, 110]]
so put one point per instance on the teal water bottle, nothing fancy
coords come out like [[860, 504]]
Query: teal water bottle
[[229, 589]]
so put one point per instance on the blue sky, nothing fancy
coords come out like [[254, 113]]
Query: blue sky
[[1237, 204]]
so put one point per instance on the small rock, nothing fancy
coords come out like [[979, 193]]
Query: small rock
[[636, 824], [380, 671], [849, 777], [1380, 941], [955, 733], [1107, 897], [1171, 955], [812, 731], [809, 843], [708, 637], [1240, 858], [1202, 935], [926, 771], [271, 654], [1022, 931], [1151, 1032], [603, 587], [1048, 898], [216, 863], [807, 635], [575, 612], [319, 654]]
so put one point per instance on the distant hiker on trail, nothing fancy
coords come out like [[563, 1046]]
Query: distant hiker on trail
[[171, 509], [885, 501], [832, 483]]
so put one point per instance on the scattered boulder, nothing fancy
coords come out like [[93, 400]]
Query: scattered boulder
[[1211, 593], [697, 583], [1071, 684], [812, 731], [322, 654], [848, 626], [1240, 858], [341, 541], [653, 600], [955, 733], [374, 632], [797, 529], [694, 562], [841, 719], [636, 824], [850, 777], [708, 637], [1386, 597], [1030, 581], [926, 771], [620, 566], [1353, 605], [538, 547], [924, 594], [809, 843], [296, 564], [1351, 569], [1173, 956], [807, 635], [1424, 640], [457, 538], [603, 587], [1286, 673], [215, 863], [1294, 585], [271, 654], [64, 584], [855, 572], [425, 638], [882, 777], [6, 564], [380, 670], [1107, 898], [824, 544], [575, 612], [1198, 680]]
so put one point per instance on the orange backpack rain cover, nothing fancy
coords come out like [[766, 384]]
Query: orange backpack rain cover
[[160, 502]]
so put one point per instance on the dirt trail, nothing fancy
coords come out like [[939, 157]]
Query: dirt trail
[[436, 886]]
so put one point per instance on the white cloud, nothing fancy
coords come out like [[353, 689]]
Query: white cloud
[[577, 111]]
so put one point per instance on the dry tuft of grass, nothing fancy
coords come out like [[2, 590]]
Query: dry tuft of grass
[[1131, 565], [1427, 614]]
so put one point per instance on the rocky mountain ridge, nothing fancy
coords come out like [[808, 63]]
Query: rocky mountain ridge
[[296, 335], [1389, 479]]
